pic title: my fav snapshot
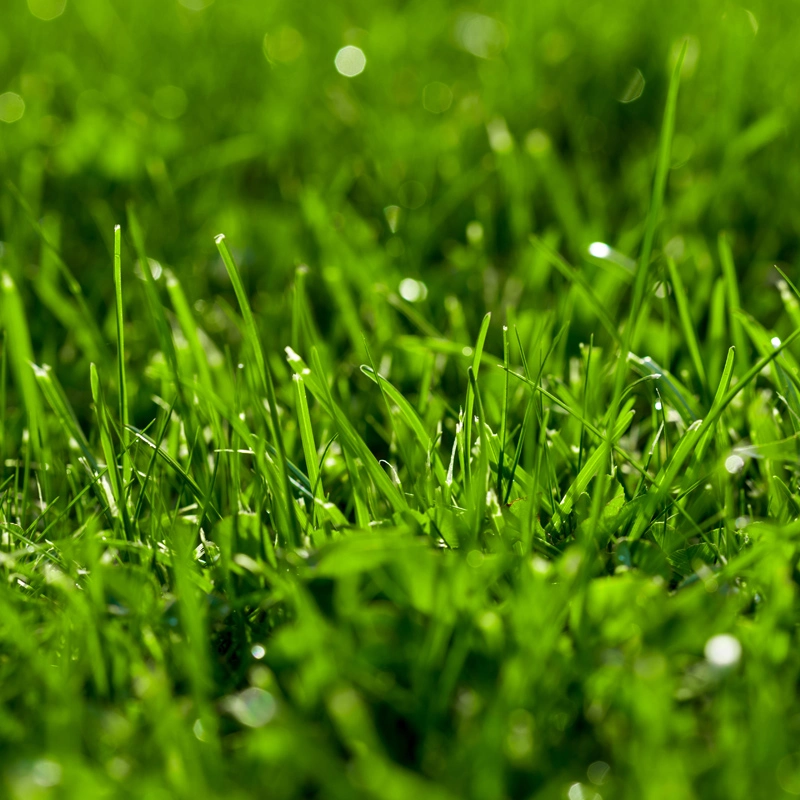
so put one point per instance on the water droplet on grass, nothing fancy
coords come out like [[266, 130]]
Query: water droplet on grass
[[599, 250]]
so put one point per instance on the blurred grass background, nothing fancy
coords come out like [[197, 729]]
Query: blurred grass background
[[471, 128], [232, 116]]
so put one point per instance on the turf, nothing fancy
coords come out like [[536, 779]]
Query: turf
[[399, 400]]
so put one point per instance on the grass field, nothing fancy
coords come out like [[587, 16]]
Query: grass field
[[399, 400]]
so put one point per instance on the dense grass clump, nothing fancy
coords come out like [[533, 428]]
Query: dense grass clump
[[463, 464]]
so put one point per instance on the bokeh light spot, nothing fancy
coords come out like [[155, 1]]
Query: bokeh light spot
[[284, 46], [480, 35], [412, 195], [350, 61], [723, 650], [253, 707], [169, 101], [599, 250], [580, 792], [633, 91], [195, 5], [598, 772], [788, 774], [437, 97], [475, 233], [413, 291], [500, 139], [392, 214], [258, 651], [537, 142], [47, 9], [12, 107], [734, 464]]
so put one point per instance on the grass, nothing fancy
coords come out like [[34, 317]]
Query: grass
[[462, 464]]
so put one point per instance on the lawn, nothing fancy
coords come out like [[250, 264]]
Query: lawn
[[399, 400]]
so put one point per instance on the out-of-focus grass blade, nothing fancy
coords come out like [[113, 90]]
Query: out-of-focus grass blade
[[87, 317], [21, 353], [734, 302], [717, 338], [57, 399], [151, 290], [636, 319], [687, 326], [122, 382], [414, 344], [575, 277], [188, 327]]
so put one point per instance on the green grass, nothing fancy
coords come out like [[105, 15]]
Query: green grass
[[464, 463]]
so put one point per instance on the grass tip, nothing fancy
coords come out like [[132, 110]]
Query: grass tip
[[291, 355]]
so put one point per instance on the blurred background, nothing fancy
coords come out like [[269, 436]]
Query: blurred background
[[407, 147]]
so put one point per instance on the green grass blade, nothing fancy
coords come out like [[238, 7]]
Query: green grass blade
[[468, 409], [687, 446], [348, 436], [576, 278], [687, 325], [731, 282], [636, 319], [265, 376], [21, 356], [118, 508], [122, 387]]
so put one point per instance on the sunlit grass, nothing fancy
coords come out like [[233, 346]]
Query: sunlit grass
[[464, 464]]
